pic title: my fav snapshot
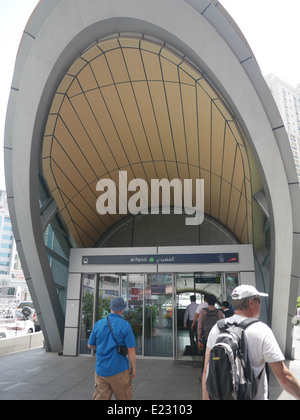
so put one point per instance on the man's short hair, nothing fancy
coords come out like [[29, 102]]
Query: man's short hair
[[211, 300], [242, 304]]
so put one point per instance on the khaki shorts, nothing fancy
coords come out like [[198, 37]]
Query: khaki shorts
[[120, 385]]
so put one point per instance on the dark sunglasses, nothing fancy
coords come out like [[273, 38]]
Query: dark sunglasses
[[256, 299]]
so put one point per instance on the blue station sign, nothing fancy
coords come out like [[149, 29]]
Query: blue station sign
[[208, 258]]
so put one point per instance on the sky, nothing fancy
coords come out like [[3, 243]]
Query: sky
[[271, 27]]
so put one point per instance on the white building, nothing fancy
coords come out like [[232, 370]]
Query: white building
[[11, 274], [6, 240], [287, 99]]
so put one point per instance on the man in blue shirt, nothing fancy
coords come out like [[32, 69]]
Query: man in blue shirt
[[113, 375]]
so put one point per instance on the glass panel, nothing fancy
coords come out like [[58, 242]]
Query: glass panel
[[158, 321], [58, 250], [231, 282], [56, 240], [132, 293], [60, 273], [186, 339], [87, 315], [43, 192], [109, 288], [209, 283]]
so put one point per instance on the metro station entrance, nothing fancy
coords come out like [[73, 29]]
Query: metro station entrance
[[156, 303]]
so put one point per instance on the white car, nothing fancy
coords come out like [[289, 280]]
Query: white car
[[21, 325]]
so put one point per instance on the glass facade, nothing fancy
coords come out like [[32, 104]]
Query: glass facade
[[155, 306], [57, 245], [158, 315]]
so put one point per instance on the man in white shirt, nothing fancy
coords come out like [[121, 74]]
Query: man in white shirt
[[262, 345], [188, 321], [198, 310]]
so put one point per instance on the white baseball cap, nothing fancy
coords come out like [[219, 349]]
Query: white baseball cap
[[244, 291]]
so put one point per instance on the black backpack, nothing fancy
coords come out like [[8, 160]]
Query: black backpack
[[230, 375], [210, 320]]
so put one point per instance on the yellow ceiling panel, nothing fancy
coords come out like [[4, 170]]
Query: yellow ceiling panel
[[91, 54], [120, 119], [106, 139], [66, 215], [74, 89], [50, 125], [237, 181], [223, 110], [108, 125], [80, 216], [64, 183], [117, 66], [169, 71], [134, 64], [185, 78], [69, 151], [184, 172], [158, 98], [161, 169], [109, 44], [151, 172], [129, 42], [60, 200], [170, 56], [230, 150], [240, 218], [86, 79], [172, 169], [152, 65], [150, 46], [48, 173], [236, 132], [225, 189], [190, 71], [191, 127], [215, 196], [132, 104], [101, 71], [234, 201], [217, 141], [56, 104], [148, 119], [77, 67], [194, 172], [206, 176], [47, 146], [135, 138], [176, 121]]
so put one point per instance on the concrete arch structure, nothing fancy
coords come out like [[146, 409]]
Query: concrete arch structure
[[202, 32]]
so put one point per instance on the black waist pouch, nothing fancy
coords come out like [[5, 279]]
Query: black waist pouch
[[122, 350]]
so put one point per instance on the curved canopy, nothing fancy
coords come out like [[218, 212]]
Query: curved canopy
[[134, 104]]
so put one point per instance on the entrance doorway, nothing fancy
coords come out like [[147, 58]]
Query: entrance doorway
[[198, 284], [155, 306]]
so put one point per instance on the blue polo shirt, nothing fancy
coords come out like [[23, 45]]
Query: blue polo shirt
[[109, 362]]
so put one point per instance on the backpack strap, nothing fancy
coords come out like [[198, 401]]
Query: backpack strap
[[247, 322], [222, 324], [244, 324]]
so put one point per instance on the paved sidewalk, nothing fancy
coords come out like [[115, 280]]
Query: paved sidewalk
[[37, 375]]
